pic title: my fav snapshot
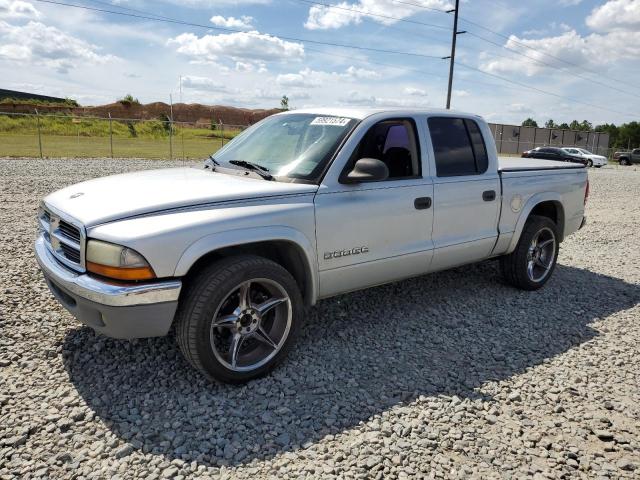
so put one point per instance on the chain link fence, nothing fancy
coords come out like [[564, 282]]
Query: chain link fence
[[66, 135], [514, 139], [50, 135]]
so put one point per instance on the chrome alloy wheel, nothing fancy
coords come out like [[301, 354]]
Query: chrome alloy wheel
[[251, 324], [541, 255]]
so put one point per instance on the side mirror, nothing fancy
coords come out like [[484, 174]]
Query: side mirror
[[367, 170]]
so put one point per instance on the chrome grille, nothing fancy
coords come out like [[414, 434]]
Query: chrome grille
[[69, 231], [70, 253], [64, 238]]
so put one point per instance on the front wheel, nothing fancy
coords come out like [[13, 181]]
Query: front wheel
[[589, 163], [532, 262], [624, 161], [238, 318]]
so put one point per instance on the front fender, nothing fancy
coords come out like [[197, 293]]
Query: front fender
[[232, 238], [526, 211]]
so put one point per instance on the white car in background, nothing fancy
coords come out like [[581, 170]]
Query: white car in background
[[593, 160]]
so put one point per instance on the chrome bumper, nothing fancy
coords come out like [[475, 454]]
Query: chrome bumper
[[98, 291]]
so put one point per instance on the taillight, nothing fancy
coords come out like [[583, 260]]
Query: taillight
[[586, 192]]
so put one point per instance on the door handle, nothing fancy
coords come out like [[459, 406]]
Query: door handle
[[489, 195], [422, 203]]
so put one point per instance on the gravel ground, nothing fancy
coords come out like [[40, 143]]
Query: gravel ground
[[451, 375]]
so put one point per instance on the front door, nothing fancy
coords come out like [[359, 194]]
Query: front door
[[376, 232]]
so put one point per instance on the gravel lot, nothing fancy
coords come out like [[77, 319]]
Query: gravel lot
[[451, 375]]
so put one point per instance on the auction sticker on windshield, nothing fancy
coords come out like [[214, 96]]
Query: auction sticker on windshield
[[336, 121]]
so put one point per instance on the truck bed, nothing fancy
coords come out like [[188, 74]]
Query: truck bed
[[515, 164]]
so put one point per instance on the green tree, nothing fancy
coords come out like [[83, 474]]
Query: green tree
[[529, 122], [586, 126], [574, 125], [549, 124], [284, 103], [613, 132], [629, 135], [128, 100], [563, 126]]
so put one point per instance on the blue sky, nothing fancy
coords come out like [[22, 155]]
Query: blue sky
[[592, 54]]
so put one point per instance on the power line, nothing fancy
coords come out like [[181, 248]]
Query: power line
[[524, 45], [233, 30], [552, 66], [524, 85], [406, 69], [521, 44], [430, 25], [180, 22]]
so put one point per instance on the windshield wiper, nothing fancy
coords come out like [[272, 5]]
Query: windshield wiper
[[211, 163], [254, 167]]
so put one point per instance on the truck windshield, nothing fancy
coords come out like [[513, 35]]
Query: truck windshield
[[296, 145]]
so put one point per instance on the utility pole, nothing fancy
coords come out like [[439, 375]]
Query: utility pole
[[452, 57], [171, 127]]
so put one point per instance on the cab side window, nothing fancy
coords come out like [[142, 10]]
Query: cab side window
[[393, 142], [458, 147]]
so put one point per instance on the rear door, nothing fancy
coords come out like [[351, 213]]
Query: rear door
[[466, 192]]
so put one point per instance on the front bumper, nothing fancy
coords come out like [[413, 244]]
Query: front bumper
[[116, 310]]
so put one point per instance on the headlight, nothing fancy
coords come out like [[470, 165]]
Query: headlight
[[116, 261]]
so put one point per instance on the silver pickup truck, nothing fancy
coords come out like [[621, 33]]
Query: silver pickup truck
[[302, 206]]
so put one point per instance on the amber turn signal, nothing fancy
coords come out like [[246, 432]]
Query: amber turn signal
[[121, 273]]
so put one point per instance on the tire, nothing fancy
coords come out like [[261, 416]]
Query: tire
[[589, 163], [262, 329], [515, 266], [624, 161]]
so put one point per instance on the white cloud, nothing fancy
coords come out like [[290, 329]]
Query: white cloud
[[323, 17], [304, 78], [616, 15], [244, 22], [18, 9], [415, 92], [215, 3], [244, 67], [262, 94], [241, 45], [203, 84], [38, 44], [313, 78], [570, 3], [461, 93], [361, 73], [519, 108], [591, 51], [357, 97]]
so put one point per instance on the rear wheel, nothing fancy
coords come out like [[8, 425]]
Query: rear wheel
[[238, 318], [532, 262], [624, 161]]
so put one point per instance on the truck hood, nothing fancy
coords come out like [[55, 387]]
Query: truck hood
[[122, 196]]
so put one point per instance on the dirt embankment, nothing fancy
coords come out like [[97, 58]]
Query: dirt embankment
[[182, 112]]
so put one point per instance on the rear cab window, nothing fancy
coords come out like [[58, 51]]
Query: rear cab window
[[458, 146]]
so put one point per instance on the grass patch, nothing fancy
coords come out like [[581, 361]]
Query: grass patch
[[67, 136], [85, 147], [67, 102]]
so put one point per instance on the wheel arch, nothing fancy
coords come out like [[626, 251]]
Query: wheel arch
[[545, 205], [288, 247]]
